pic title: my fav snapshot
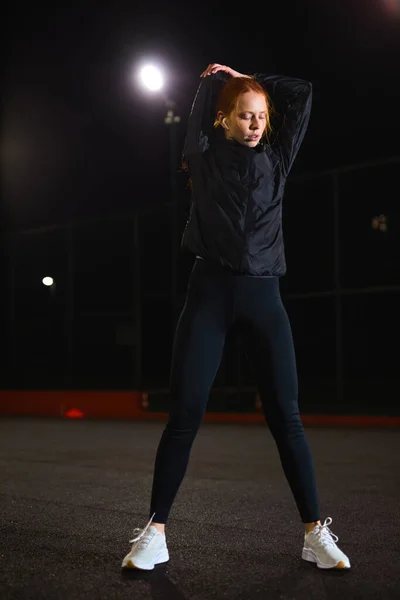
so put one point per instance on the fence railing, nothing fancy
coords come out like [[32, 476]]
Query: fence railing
[[108, 320]]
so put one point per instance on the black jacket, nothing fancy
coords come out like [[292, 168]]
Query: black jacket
[[236, 210]]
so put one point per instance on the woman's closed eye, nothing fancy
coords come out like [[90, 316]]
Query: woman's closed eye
[[248, 116]]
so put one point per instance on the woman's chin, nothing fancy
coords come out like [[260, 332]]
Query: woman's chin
[[251, 143]]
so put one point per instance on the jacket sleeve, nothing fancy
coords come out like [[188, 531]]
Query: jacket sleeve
[[200, 129], [291, 100]]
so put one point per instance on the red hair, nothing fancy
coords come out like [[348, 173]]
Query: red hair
[[235, 87]]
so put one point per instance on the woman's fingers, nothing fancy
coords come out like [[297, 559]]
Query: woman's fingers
[[207, 71], [213, 68]]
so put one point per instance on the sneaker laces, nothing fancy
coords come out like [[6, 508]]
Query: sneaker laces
[[138, 534], [325, 535]]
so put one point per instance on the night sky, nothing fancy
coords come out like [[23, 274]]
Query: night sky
[[80, 138]]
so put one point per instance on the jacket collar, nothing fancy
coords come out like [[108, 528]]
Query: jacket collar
[[261, 146]]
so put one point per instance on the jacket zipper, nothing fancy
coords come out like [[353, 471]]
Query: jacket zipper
[[247, 212]]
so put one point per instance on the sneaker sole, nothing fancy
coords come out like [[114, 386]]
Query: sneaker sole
[[162, 557], [310, 556]]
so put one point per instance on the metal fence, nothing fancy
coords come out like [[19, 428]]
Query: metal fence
[[107, 322]]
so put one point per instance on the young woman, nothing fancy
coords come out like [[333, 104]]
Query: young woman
[[238, 159]]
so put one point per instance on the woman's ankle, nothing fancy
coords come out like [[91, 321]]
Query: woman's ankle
[[159, 526], [310, 526]]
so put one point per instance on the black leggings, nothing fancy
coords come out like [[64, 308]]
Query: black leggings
[[216, 299]]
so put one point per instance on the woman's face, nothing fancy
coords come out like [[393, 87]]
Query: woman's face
[[246, 123]]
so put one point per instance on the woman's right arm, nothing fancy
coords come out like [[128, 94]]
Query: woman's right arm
[[200, 129]]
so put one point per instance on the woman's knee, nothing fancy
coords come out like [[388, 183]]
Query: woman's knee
[[185, 422], [286, 426]]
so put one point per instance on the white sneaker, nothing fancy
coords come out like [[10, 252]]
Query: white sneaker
[[320, 547], [149, 549]]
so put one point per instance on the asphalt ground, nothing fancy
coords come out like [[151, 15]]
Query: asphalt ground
[[72, 491]]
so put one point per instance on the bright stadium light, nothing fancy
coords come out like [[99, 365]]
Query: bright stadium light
[[151, 78], [48, 281]]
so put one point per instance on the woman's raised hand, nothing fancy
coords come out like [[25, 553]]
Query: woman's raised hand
[[215, 67]]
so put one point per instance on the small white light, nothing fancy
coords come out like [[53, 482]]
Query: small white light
[[151, 78], [48, 281]]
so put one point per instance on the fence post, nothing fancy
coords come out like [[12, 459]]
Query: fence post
[[338, 293], [69, 309], [12, 338], [137, 299]]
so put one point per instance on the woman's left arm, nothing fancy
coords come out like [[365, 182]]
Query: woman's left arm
[[291, 99]]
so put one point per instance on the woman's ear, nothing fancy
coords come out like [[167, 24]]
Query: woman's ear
[[220, 118]]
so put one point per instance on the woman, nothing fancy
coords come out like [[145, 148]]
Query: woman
[[238, 163]]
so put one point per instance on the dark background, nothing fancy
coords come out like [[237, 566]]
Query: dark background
[[82, 142]]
